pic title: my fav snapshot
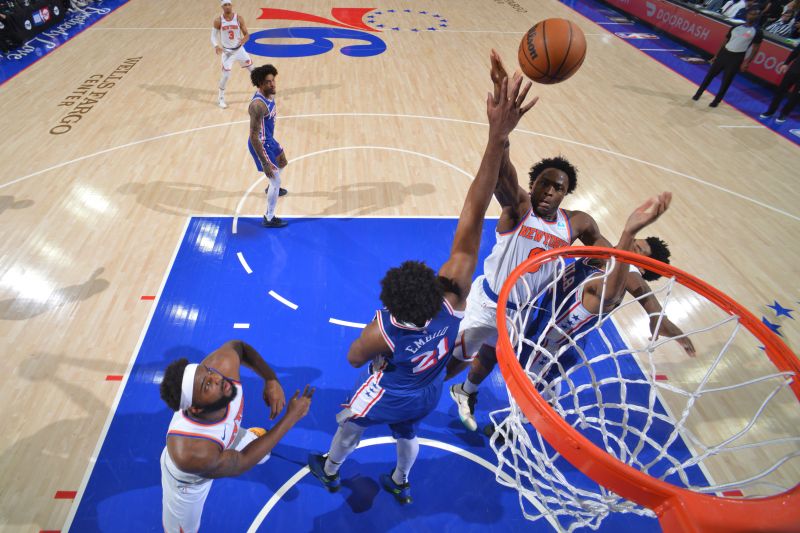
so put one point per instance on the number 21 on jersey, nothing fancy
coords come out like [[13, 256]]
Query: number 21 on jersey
[[429, 359]]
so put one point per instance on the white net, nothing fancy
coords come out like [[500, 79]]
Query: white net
[[723, 423]]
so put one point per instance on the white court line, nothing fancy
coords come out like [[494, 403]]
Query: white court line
[[283, 300], [241, 325], [244, 263], [614, 23], [346, 323], [236, 214], [292, 481], [754, 127], [420, 117], [660, 49], [101, 439]]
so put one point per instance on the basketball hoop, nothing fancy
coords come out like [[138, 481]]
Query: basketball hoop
[[634, 450]]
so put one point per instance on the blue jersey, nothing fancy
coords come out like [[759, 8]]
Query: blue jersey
[[406, 385], [267, 134], [552, 333]]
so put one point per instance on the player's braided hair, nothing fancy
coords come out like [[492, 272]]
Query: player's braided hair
[[172, 382], [412, 292], [560, 163], [658, 251], [259, 74]]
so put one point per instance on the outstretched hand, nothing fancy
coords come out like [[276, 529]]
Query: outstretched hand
[[498, 71], [648, 212], [506, 106]]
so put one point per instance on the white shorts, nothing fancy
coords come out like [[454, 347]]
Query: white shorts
[[184, 496], [240, 55], [479, 325]]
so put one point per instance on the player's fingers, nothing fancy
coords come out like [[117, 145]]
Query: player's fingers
[[296, 394], [529, 106], [523, 94], [513, 91], [503, 90], [311, 392]]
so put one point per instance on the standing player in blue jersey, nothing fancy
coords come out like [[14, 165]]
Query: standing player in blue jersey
[[409, 344], [266, 151]]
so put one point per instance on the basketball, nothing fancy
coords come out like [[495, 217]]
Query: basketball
[[552, 51]]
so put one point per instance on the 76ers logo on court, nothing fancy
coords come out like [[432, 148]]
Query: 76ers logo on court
[[348, 25]]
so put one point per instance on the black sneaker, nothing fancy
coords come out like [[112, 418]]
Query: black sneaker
[[401, 493], [316, 463], [281, 191], [274, 223], [780, 120], [714, 103], [765, 115], [696, 96]]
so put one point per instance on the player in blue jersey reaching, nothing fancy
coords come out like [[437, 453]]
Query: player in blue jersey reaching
[[409, 346]]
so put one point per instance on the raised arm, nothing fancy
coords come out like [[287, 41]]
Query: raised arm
[[207, 460], [615, 284], [513, 198], [273, 393], [504, 108]]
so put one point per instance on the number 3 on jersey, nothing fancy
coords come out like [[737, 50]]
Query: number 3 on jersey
[[429, 359]]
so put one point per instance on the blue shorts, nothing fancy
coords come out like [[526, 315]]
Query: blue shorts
[[272, 149], [373, 405]]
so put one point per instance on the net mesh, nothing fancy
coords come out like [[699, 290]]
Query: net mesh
[[728, 427]]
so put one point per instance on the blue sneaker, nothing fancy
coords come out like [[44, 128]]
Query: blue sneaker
[[401, 493], [316, 463]]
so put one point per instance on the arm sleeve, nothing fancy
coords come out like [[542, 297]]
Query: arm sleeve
[[215, 37], [759, 36]]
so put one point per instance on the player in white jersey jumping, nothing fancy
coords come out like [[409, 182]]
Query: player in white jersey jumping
[[228, 35], [267, 152], [205, 439], [530, 223]]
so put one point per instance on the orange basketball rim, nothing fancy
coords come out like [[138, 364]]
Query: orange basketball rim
[[678, 509]]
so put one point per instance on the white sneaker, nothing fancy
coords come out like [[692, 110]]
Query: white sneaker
[[222, 103], [466, 406]]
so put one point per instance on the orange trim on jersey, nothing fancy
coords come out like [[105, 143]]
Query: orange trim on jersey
[[186, 434], [522, 221]]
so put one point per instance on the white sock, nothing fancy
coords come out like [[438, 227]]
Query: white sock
[[407, 451], [272, 193], [344, 443], [470, 387], [223, 81]]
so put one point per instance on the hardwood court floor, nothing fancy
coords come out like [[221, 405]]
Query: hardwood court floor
[[90, 218]]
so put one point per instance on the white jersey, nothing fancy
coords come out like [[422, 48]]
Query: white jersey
[[531, 236], [222, 432], [231, 32]]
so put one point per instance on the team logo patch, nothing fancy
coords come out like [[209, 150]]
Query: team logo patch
[[28, 25]]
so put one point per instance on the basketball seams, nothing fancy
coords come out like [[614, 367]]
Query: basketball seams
[[566, 53], [544, 45]]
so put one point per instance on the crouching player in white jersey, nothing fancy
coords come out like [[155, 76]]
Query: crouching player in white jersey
[[531, 222], [205, 439], [228, 35], [410, 343], [573, 304]]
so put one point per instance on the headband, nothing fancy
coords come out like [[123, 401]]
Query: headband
[[187, 386]]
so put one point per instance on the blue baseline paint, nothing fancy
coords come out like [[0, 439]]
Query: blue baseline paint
[[329, 268], [320, 42], [15, 61], [748, 96]]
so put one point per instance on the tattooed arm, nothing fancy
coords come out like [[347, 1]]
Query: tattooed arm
[[257, 111]]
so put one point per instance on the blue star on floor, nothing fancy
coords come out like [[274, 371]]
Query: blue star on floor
[[770, 325], [781, 311]]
